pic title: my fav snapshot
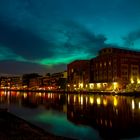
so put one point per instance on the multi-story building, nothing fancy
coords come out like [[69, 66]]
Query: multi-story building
[[15, 81], [10, 81], [36, 83], [114, 68], [27, 82], [59, 80], [78, 74]]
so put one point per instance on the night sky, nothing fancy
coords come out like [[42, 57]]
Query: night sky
[[45, 35]]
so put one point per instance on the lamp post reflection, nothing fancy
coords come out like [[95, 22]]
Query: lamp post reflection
[[106, 113]]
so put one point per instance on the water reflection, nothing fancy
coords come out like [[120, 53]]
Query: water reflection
[[115, 117], [81, 116], [34, 100]]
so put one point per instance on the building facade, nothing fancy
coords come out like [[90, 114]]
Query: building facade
[[58, 80], [78, 74], [114, 68], [13, 82]]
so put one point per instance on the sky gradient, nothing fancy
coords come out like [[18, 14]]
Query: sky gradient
[[45, 35]]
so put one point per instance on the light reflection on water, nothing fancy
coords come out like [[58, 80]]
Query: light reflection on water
[[76, 115]]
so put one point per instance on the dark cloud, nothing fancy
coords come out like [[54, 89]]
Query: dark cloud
[[130, 39], [52, 32], [12, 67], [79, 37], [24, 42]]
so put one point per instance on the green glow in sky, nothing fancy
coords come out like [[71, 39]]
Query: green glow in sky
[[51, 32], [64, 59]]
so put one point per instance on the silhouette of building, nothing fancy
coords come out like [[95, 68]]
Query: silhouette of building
[[78, 74]]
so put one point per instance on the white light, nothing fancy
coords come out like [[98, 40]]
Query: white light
[[133, 104], [81, 100], [139, 105]]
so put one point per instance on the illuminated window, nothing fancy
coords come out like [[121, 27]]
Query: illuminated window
[[96, 65], [71, 70], [91, 85], [98, 85], [100, 64], [132, 81], [138, 81]]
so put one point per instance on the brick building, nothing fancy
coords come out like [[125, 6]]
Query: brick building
[[78, 74], [112, 69], [115, 68]]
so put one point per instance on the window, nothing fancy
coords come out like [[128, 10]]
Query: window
[[135, 68], [96, 65], [100, 64]]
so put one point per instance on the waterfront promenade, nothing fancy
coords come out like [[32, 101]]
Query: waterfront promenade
[[121, 93]]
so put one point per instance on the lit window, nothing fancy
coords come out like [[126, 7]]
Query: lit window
[[100, 64], [96, 65], [138, 81], [91, 85], [132, 81], [98, 85], [71, 70]]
